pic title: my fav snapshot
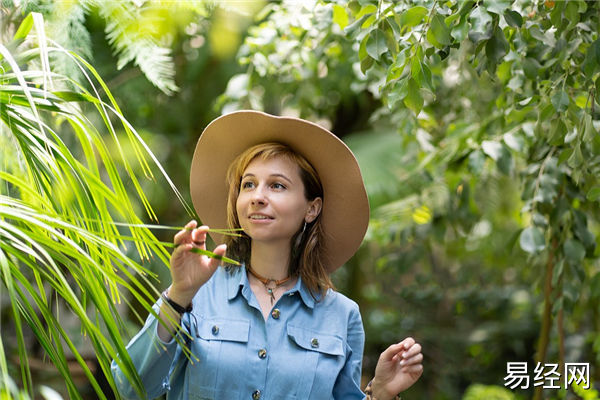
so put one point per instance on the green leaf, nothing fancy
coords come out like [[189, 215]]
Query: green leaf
[[589, 132], [476, 162], [593, 194], [558, 133], [460, 31], [397, 32], [367, 9], [572, 13], [416, 70], [353, 29], [556, 15], [24, 28], [376, 44], [547, 39], [592, 57], [367, 3], [513, 18], [340, 16], [503, 72], [560, 101], [574, 251], [576, 158], [366, 63], [481, 25], [513, 141], [439, 33], [564, 155], [412, 17], [398, 93], [497, 6], [492, 148], [414, 100], [532, 240], [531, 67], [557, 272], [505, 162], [496, 47]]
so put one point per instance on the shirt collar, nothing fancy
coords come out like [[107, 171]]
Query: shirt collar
[[239, 282]]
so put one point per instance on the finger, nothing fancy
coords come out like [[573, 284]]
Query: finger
[[412, 351], [417, 359], [181, 248], [392, 352], [199, 236], [413, 369], [219, 250], [184, 234], [408, 342]]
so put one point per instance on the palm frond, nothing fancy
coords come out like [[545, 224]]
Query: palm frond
[[67, 222], [129, 33]]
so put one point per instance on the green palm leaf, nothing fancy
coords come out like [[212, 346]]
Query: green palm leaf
[[66, 218]]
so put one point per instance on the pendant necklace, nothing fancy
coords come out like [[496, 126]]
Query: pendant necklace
[[269, 284]]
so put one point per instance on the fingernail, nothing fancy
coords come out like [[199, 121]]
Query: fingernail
[[402, 362]]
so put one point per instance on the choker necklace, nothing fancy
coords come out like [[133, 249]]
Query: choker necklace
[[270, 284]]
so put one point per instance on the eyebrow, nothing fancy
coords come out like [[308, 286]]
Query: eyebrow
[[272, 175]]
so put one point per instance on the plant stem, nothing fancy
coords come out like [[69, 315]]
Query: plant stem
[[546, 316]]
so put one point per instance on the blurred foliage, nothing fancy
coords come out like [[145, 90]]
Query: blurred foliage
[[482, 392], [475, 124], [492, 220]]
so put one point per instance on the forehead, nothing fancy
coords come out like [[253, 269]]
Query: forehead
[[273, 165]]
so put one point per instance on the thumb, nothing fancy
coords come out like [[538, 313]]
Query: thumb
[[389, 353]]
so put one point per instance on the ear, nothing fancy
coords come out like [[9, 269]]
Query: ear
[[314, 209]]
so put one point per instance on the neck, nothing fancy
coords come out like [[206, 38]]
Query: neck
[[270, 260]]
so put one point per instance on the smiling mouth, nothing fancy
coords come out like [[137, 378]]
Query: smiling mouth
[[259, 217]]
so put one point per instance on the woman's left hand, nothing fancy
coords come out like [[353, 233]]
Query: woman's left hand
[[398, 368]]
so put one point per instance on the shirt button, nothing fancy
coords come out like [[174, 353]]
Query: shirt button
[[256, 395], [314, 343], [262, 353], [215, 330], [276, 313]]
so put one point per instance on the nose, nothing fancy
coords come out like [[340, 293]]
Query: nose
[[258, 197]]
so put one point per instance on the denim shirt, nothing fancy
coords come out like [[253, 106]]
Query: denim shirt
[[306, 349]]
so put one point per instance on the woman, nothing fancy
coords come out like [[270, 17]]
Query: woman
[[273, 328]]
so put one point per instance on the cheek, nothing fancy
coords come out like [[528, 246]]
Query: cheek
[[239, 206]]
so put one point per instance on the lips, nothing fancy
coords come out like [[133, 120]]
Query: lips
[[259, 217]]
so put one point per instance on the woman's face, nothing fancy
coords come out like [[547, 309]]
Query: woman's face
[[271, 205]]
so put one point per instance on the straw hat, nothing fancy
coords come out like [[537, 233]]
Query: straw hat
[[345, 212]]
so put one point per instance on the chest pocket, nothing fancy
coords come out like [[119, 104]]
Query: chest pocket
[[220, 346], [322, 360]]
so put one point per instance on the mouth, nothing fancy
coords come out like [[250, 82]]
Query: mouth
[[259, 217]]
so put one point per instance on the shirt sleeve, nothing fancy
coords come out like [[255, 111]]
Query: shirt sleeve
[[347, 385], [153, 359]]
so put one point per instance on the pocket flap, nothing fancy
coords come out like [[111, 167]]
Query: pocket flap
[[316, 341], [233, 330]]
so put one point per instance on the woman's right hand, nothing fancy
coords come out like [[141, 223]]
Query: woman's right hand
[[189, 271]]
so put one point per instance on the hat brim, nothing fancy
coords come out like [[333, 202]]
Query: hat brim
[[345, 212]]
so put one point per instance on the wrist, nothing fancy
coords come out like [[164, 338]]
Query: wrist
[[375, 391], [179, 304], [183, 298]]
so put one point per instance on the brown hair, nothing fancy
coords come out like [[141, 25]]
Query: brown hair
[[306, 258]]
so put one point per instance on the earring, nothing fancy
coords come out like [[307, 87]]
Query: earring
[[300, 235]]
